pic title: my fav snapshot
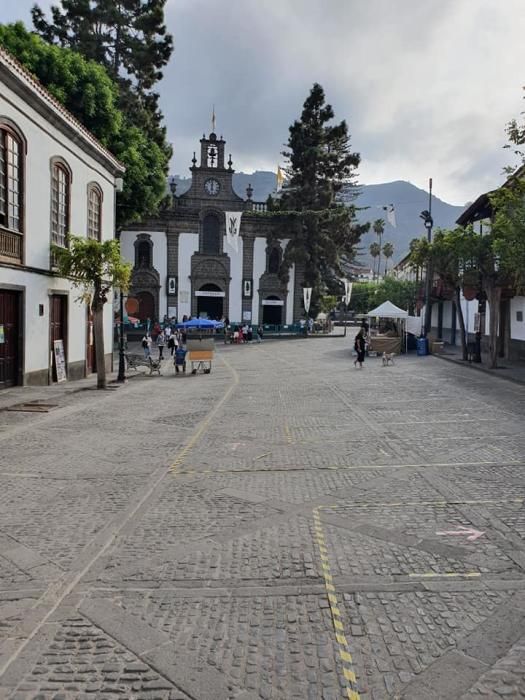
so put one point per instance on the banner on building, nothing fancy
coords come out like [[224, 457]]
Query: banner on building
[[348, 291], [233, 228], [307, 297]]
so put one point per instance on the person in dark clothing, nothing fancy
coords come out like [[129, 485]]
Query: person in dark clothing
[[360, 347]]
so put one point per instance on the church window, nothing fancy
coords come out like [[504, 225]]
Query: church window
[[211, 235], [143, 254], [274, 260]]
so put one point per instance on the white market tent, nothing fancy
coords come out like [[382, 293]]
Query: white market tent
[[389, 310]]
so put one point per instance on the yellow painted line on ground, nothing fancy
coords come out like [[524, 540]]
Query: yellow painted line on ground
[[469, 574], [182, 454], [350, 690]]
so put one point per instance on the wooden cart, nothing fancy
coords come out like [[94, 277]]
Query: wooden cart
[[201, 348]]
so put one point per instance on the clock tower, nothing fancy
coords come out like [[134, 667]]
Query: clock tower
[[212, 178]]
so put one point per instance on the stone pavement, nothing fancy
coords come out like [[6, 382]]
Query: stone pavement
[[512, 370], [287, 527]]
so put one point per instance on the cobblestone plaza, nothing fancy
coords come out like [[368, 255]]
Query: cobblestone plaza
[[287, 527]]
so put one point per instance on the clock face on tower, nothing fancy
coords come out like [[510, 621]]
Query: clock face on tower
[[212, 187]]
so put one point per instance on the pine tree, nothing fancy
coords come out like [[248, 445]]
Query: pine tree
[[127, 37], [320, 166]]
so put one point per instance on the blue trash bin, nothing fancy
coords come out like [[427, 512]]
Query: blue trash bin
[[422, 346]]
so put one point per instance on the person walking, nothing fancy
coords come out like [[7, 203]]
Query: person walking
[[146, 344], [172, 343], [259, 333], [360, 347], [161, 342]]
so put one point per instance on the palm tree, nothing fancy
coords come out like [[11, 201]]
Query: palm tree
[[388, 251], [379, 228], [375, 250]]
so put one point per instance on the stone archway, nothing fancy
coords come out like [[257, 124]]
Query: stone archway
[[272, 310], [210, 301]]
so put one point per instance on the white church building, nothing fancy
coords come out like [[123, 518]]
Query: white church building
[[210, 253]]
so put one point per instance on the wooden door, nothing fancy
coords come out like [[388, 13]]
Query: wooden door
[[146, 306], [9, 338], [58, 325]]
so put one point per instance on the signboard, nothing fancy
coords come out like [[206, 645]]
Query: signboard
[[272, 302], [246, 315], [172, 285], [60, 360], [210, 294], [247, 288], [2, 334], [172, 312]]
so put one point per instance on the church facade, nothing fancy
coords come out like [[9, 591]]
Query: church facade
[[210, 253]]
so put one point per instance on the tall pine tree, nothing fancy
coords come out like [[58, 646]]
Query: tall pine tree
[[127, 37], [320, 168]]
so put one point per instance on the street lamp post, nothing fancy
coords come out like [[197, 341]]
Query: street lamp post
[[121, 377], [428, 222]]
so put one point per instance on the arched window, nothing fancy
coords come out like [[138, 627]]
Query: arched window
[[143, 254], [60, 201], [274, 260], [211, 235], [94, 219], [11, 178]]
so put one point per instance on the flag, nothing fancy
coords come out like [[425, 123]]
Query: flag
[[307, 295], [213, 119], [233, 228], [348, 291], [280, 178], [390, 215]]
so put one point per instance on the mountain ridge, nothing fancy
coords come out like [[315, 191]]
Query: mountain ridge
[[408, 201]]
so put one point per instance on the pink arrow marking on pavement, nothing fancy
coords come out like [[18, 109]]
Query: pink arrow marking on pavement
[[470, 531]]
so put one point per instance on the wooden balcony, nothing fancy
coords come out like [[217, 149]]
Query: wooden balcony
[[11, 246]]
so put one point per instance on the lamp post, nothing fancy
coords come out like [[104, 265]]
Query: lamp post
[[121, 377], [428, 222]]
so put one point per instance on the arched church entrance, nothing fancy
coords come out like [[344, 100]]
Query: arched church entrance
[[272, 310], [146, 306], [210, 302]]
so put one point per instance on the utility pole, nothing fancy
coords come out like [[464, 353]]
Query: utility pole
[[426, 215]]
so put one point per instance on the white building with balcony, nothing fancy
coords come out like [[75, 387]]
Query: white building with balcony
[[55, 178]]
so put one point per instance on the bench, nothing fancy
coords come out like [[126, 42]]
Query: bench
[[136, 361]]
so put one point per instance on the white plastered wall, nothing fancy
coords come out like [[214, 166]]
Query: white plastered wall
[[188, 245], [517, 328], [45, 142]]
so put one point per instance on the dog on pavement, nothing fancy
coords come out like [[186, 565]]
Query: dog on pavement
[[388, 358]]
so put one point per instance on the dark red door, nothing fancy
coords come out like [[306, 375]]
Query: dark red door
[[58, 325], [146, 306], [9, 338]]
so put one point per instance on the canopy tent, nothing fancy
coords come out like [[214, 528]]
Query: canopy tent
[[387, 310], [197, 323]]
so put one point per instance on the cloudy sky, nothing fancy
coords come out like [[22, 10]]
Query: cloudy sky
[[426, 86]]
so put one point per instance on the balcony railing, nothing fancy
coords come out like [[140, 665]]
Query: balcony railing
[[11, 245], [259, 206]]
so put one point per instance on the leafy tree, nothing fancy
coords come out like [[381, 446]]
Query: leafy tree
[[450, 256], [378, 228], [88, 92], [129, 39], [320, 165], [367, 295], [388, 252], [374, 252], [95, 268]]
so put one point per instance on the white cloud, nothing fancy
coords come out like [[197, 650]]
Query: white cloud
[[426, 87]]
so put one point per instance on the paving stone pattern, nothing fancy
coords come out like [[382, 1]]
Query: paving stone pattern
[[157, 542]]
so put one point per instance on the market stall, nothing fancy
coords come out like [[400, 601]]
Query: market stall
[[200, 343], [389, 341]]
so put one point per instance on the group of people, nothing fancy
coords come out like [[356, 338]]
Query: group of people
[[173, 339], [242, 334]]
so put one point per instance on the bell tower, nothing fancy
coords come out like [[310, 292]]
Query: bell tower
[[212, 153]]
